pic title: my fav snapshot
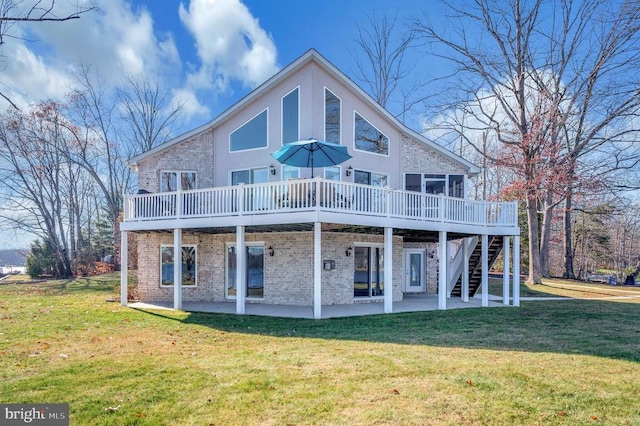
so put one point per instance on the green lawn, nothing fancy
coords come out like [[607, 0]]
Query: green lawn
[[548, 362]]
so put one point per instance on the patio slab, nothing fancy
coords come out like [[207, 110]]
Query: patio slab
[[411, 303]]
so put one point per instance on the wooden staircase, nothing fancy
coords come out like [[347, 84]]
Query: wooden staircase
[[475, 270]]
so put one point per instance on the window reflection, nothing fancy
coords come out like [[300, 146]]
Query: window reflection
[[332, 173], [290, 119], [169, 181], [451, 185], [368, 278], [251, 135], [456, 186], [331, 117], [167, 261], [254, 271], [370, 178], [259, 175], [368, 138], [290, 172]]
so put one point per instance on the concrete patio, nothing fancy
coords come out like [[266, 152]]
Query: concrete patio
[[411, 303]]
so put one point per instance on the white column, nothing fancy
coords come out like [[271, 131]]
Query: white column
[[516, 270], [485, 270], [465, 269], [506, 250], [177, 268], [317, 270], [442, 270], [124, 270], [388, 270], [241, 270]]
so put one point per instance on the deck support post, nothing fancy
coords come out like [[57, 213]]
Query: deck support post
[[124, 270], [506, 272], [442, 270], [516, 270], [241, 270], [484, 265], [177, 268], [317, 270], [388, 270], [465, 269]]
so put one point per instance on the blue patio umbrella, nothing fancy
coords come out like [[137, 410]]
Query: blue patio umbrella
[[312, 153]]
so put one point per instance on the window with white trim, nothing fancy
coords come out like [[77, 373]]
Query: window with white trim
[[332, 114], [254, 270], [368, 138], [177, 180], [290, 117], [257, 175], [290, 172], [370, 178], [332, 173], [251, 135], [376, 202], [456, 186], [368, 267], [429, 183], [189, 265]]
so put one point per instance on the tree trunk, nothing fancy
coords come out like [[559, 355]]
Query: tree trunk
[[535, 276], [545, 243], [568, 242], [117, 242]]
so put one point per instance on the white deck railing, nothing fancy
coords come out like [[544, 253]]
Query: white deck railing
[[317, 193]]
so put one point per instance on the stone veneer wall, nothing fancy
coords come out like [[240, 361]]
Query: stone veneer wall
[[195, 154], [288, 275], [417, 157]]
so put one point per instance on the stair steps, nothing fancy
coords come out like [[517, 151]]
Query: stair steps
[[475, 267]]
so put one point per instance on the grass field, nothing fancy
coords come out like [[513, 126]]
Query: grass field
[[565, 362]]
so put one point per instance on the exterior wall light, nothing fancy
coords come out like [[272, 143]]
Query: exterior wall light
[[272, 169], [349, 171], [271, 251], [349, 250]]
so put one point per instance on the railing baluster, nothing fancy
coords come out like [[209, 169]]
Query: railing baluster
[[318, 193]]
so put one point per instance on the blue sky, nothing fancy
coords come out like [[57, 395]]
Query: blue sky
[[206, 53]]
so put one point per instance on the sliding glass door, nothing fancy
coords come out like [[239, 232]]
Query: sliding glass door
[[254, 271], [368, 276]]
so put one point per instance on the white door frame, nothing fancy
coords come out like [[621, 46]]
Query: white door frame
[[407, 254]]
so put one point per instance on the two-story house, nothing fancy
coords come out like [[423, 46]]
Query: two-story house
[[219, 219]]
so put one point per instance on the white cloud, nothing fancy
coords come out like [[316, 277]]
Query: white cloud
[[119, 39], [27, 78], [230, 42], [115, 40], [191, 107]]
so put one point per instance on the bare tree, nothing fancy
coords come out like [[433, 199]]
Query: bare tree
[[14, 12], [596, 60], [106, 138], [95, 147], [499, 66], [88, 154], [625, 231], [382, 66], [148, 112], [38, 182], [540, 76]]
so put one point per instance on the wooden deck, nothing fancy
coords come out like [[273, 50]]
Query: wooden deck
[[311, 200]]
